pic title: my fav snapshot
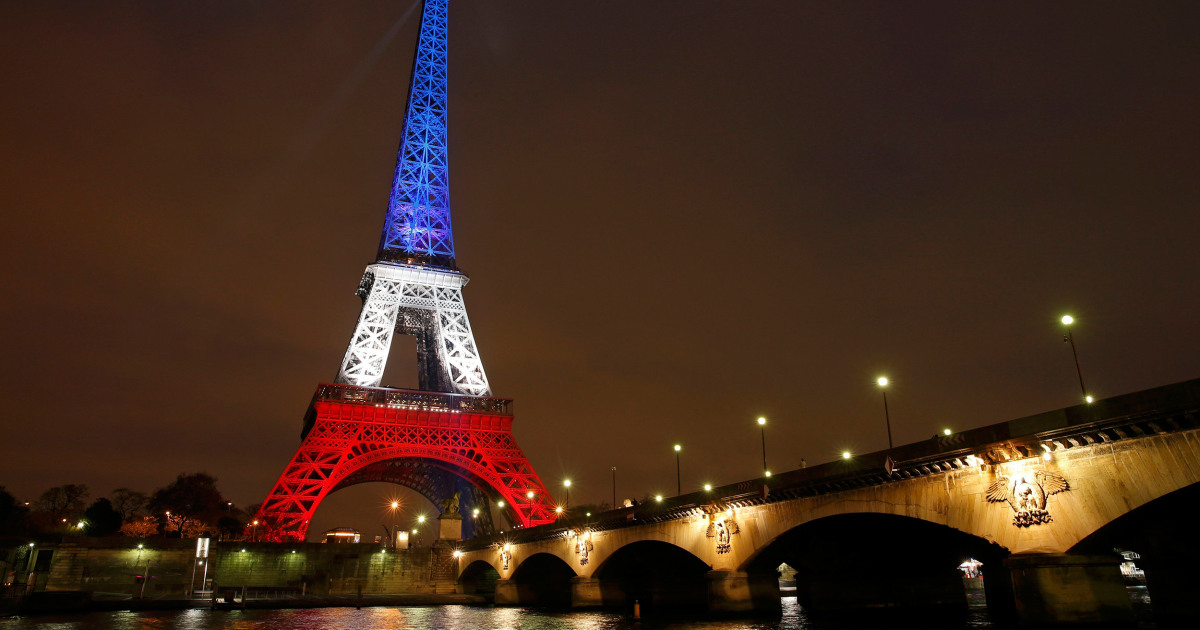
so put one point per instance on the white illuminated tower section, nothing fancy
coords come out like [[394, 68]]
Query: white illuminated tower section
[[414, 287]]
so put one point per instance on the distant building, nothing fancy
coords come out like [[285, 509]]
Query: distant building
[[341, 535]]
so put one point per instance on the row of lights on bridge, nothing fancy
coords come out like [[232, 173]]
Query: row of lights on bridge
[[882, 382]]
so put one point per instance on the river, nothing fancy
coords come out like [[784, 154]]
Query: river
[[450, 617], [433, 617]]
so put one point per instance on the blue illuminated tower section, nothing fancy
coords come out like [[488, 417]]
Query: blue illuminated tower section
[[417, 227], [414, 286]]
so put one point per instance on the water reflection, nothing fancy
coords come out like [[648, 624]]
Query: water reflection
[[793, 617]]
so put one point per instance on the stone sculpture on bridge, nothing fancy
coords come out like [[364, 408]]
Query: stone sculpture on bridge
[[583, 546], [722, 527], [1027, 495]]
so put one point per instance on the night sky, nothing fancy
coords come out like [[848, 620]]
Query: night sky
[[676, 215]]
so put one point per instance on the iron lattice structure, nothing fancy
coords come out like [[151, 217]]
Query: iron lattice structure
[[417, 226], [361, 434], [451, 435], [424, 302]]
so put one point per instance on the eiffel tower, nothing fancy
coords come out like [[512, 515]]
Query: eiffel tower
[[451, 436]]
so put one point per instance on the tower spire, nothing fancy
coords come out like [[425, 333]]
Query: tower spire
[[417, 227]]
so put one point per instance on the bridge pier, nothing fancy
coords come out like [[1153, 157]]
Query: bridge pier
[[586, 593], [1069, 590], [741, 592], [508, 593], [729, 591]]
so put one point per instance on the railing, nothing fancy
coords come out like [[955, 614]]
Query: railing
[[413, 399]]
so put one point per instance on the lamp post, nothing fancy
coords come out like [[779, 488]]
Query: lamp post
[[614, 488], [678, 484], [1067, 320], [762, 427], [567, 485], [882, 381], [394, 505]]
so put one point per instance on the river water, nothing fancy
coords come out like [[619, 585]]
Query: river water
[[440, 617]]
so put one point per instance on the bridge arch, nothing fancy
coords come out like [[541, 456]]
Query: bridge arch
[[544, 580], [479, 578], [1160, 537], [875, 560], [659, 575]]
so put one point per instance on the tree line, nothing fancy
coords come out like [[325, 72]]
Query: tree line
[[191, 506]]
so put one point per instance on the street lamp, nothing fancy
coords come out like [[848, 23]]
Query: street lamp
[[395, 536], [567, 485], [882, 381], [678, 485], [762, 428], [1067, 320], [614, 488]]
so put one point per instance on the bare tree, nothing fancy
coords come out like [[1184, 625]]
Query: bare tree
[[62, 502], [129, 503]]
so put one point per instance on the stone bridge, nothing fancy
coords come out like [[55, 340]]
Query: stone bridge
[[1042, 501]]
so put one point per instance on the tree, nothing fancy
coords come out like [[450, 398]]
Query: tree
[[62, 502], [197, 529], [189, 498], [229, 527], [143, 527], [129, 503], [100, 519], [14, 517]]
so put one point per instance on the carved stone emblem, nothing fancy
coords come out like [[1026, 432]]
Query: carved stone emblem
[[583, 546], [506, 555], [722, 528], [1027, 493]]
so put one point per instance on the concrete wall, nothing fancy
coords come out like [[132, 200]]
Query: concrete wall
[[109, 568]]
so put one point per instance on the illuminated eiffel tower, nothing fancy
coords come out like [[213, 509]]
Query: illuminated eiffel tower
[[450, 436]]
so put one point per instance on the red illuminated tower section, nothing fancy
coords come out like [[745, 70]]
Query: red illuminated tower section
[[451, 436]]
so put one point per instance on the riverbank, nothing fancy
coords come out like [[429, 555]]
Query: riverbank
[[53, 602]]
